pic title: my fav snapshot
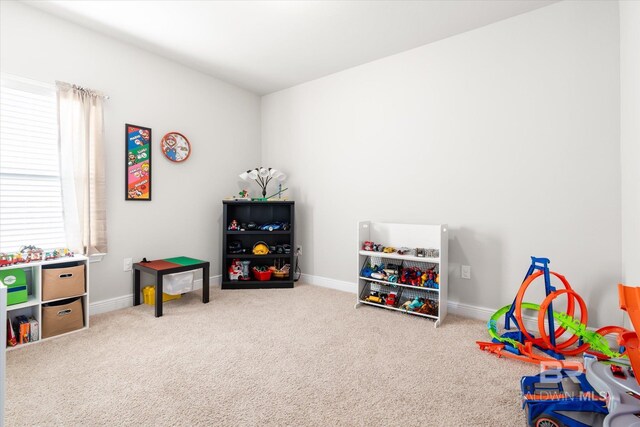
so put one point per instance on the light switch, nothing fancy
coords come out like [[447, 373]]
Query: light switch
[[465, 271]]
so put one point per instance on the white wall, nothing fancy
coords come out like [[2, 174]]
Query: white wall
[[630, 139], [508, 133], [221, 121]]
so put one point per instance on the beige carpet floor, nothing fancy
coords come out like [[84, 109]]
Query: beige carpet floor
[[300, 357]]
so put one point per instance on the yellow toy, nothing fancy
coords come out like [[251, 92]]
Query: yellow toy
[[260, 248], [376, 298], [149, 296]]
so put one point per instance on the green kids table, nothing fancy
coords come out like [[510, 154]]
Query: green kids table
[[159, 268]]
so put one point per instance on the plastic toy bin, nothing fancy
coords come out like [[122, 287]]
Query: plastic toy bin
[[178, 283], [15, 280], [62, 282], [262, 275]]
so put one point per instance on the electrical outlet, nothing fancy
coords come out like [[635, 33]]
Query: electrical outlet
[[127, 264], [299, 250], [465, 271]]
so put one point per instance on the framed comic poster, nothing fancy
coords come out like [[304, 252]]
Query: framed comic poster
[[138, 161]]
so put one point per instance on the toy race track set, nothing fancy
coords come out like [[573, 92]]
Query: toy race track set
[[602, 391]]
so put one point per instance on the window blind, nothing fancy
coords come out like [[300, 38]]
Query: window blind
[[30, 188]]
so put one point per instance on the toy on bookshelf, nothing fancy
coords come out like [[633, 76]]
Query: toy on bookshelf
[[375, 272], [376, 297], [260, 248], [22, 330], [411, 276], [235, 247], [429, 307], [429, 279], [235, 270], [276, 225], [30, 253], [261, 273], [12, 339], [413, 305], [280, 271], [370, 246], [392, 299], [245, 270]]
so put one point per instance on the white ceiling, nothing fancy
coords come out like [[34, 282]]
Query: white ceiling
[[265, 46]]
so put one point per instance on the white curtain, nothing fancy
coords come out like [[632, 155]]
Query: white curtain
[[82, 168]]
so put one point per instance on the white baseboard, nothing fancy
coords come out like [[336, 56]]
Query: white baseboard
[[125, 301], [483, 313], [213, 281], [470, 311], [326, 282], [111, 304]]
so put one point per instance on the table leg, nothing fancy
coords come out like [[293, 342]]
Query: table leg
[[136, 287], [205, 283], [159, 278]]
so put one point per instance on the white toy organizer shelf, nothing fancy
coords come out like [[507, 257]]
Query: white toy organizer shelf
[[411, 236], [36, 301]]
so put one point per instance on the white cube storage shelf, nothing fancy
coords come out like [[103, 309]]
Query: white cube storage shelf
[[411, 236], [33, 305]]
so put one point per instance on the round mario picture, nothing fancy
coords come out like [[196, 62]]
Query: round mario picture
[[175, 147]]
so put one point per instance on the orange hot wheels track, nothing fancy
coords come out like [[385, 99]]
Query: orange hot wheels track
[[522, 345]]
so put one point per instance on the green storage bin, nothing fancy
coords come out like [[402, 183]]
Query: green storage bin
[[15, 280]]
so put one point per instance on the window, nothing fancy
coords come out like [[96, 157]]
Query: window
[[30, 185]]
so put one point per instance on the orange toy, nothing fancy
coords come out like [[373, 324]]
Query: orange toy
[[542, 346], [630, 302]]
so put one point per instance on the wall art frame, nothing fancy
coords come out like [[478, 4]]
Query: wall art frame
[[137, 174]]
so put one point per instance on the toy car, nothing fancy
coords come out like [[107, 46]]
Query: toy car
[[235, 270], [570, 402], [5, 259], [608, 394], [376, 297], [392, 299], [273, 226]]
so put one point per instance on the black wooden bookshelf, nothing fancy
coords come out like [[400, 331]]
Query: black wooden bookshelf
[[259, 213]]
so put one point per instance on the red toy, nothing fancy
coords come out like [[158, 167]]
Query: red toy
[[411, 276], [392, 299], [235, 270], [367, 246], [6, 260]]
